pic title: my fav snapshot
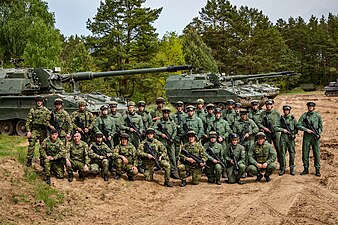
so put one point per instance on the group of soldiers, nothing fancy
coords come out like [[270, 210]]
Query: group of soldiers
[[232, 143]]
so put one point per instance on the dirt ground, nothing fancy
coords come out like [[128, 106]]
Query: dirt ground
[[285, 200]]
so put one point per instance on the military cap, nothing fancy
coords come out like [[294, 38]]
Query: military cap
[[238, 105], [243, 111], [200, 101], [260, 134], [234, 136], [190, 108], [218, 110], [98, 134], [254, 102], [141, 103], [124, 135], [53, 131], [103, 107], [166, 110], [179, 103], [230, 102], [58, 101], [76, 132], [269, 102], [131, 103], [38, 98], [191, 133], [210, 106], [159, 100], [82, 102], [212, 134], [311, 104], [113, 104], [286, 107], [150, 130]]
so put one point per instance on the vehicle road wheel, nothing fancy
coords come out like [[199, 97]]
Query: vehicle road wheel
[[6, 127], [21, 128]]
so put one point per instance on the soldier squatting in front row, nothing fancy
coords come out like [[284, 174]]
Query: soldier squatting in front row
[[229, 143]]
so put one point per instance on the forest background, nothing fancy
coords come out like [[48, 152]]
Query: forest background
[[223, 38]]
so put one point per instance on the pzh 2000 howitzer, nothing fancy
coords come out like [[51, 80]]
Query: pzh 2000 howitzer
[[165, 132], [310, 126], [233, 156], [131, 124], [215, 156], [150, 150], [194, 157], [286, 126]]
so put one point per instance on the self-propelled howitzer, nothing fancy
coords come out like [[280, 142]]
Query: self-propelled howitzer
[[20, 86]]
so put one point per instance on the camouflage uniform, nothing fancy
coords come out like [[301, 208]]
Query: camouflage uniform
[[149, 164], [315, 119], [214, 172], [240, 154], [78, 156], [106, 125], [128, 151], [57, 150], [37, 123], [137, 120], [170, 127], [64, 122], [87, 119], [198, 150], [178, 118], [118, 120], [96, 162], [264, 153]]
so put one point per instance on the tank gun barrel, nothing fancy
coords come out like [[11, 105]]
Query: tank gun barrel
[[258, 76], [91, 75]]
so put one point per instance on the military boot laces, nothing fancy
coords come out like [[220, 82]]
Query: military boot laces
[[105, 177], [318, 173], [305, 171], [183, 183], [168, 184], [48, 180], [29, 162], [70, 176], [267, 178]]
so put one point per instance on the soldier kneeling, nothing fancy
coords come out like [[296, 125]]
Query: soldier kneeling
[[154, 153], [53, 152], [77, 158], [261, 158], [125, 158], [235, 157], [101, 156]]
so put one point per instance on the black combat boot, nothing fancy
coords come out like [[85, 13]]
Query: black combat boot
[[318, 173], [131, 178], [259, 177], [292, 171], [174, 176], [81, 176], [105, 177], [239, 181], [29, 162], [281, 171], [218, 182], [183, 183], [168, 184], [305, 171], [70, 176], [117, 176], [48, 180], [267, 178]]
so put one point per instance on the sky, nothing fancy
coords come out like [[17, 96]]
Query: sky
[[71, 15]]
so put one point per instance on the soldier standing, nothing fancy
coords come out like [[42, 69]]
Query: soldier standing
[[157, 113], [209, 117], [105, 124], [235, 158], [61, 121], [237, 116], [37, 123], [193, 123], [53, 152], [311, 123], [255, 112], [77, 158], [188, 164], [166, 131], [83, 121], [262, 156], [269, 120], [125, 158], [200, 112], [145, 115], [150, 144], [229, 113], [118, 120], [100, 156], [221, 127], [214, 169], [288, 127]]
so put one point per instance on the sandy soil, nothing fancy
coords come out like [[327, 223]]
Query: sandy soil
[[285, 200]]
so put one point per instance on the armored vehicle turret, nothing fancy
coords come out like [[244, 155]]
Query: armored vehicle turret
[[215, 88], [332, 89], [20, 86]]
